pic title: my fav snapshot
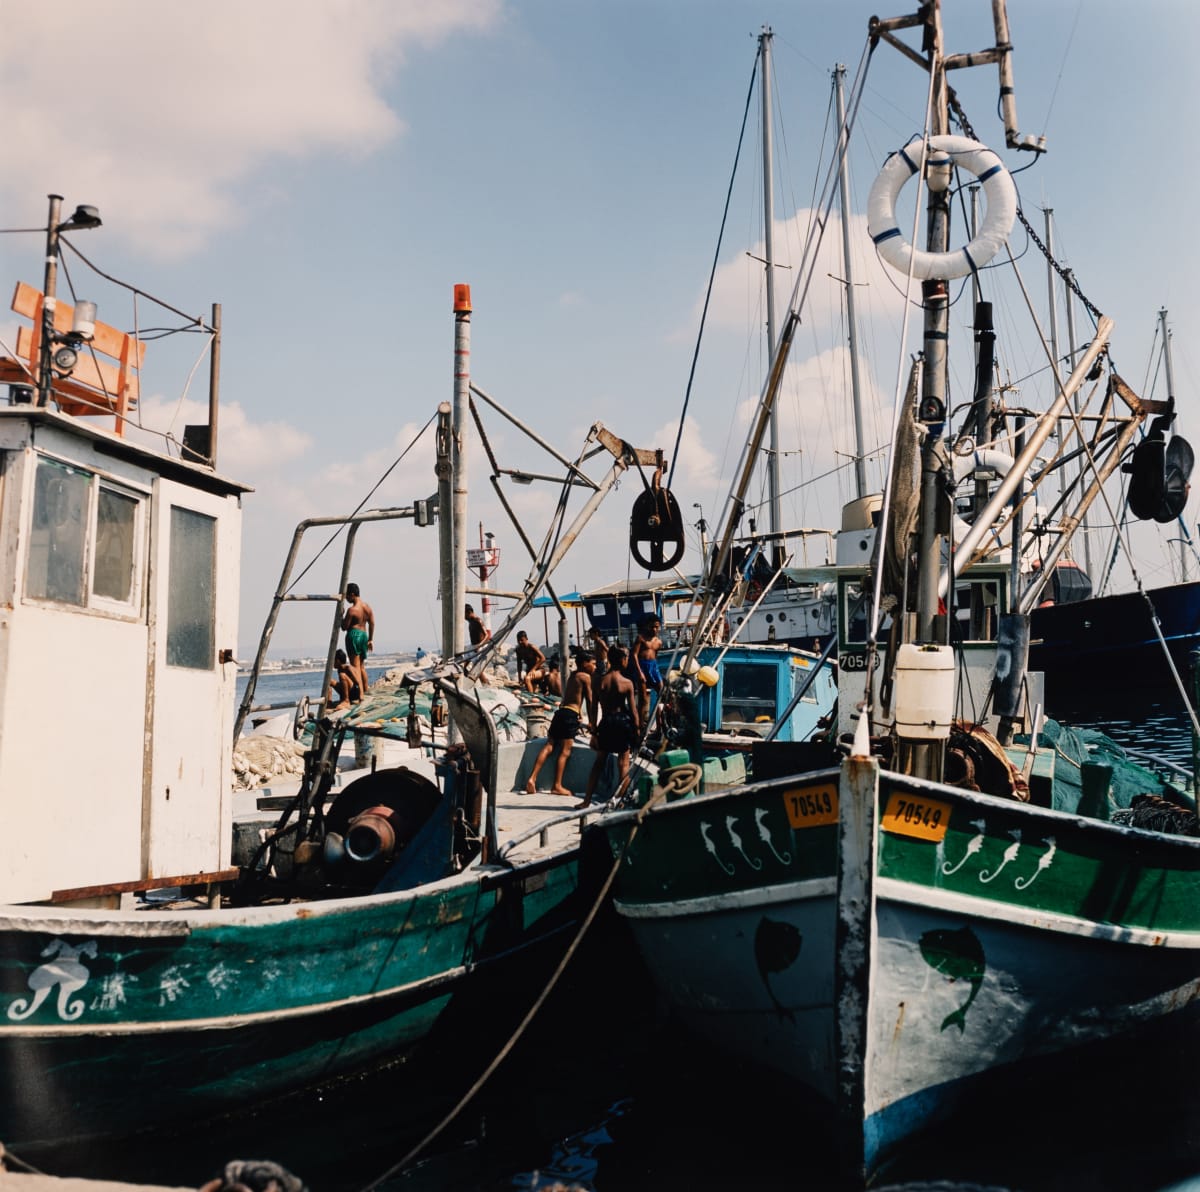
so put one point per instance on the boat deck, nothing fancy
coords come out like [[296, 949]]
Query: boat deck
[[528, 827]]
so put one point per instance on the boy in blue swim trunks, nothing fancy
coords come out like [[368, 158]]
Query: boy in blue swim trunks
[[645, 653], [359, 624], [567, 722]]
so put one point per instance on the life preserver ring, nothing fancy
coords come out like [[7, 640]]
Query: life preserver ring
[[998, 188]]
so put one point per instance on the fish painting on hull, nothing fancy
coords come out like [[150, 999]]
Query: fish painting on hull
[[776, 948], [959, 956]]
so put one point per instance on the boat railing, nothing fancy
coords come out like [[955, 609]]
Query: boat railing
[[542, 829], [285, 595], [1156, 762]]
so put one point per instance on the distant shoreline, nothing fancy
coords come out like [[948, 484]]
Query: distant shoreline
[[309, 667]]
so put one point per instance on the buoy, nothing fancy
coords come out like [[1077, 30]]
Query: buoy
[[998, 189]]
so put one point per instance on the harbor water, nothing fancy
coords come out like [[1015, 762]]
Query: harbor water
[[604, 1092]]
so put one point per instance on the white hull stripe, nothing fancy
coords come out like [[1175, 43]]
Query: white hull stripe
[[892, 890], [822, 887]]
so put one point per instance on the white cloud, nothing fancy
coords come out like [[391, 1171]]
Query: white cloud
[[157, 110], [739, 283], [246, 448]]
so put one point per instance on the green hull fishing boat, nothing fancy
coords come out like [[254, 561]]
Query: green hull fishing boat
[[948, 894], [152, 970]]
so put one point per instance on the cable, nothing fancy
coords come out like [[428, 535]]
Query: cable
[[488, 1072], [687, 396], [374, 489]]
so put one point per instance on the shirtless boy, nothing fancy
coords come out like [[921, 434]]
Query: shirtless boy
[[530, 661], [476, 629], [359, 624], [566, 723], [344, 687], [619, 722], [645, 653]]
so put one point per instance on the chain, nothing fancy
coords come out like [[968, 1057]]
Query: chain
[[1067, 277]]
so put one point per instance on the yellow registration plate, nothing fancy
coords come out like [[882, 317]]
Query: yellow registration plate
[[909, 815], [813, 806]]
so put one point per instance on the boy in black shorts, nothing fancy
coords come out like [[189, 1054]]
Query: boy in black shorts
[[567, 722]]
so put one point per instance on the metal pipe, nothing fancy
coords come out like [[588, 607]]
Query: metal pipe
[[1170, 378], [1072, 348], [620, 465], [1009, 483], [1067, 524], [214, 382], [1050, 275], [576, 473], [45, 377], [775, 519], [458, 456], [934, 385], [444, 470], [860, 462]]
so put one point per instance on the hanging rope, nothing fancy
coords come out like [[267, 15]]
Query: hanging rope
[[469, 1095]]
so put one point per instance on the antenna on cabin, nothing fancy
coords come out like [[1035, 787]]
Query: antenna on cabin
[[66, 357]]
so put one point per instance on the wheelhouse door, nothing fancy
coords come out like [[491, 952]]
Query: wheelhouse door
[[193, 618]]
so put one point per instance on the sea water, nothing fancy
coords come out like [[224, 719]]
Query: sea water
[[604, 1092]]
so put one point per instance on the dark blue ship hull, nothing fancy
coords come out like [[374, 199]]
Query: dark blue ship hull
[[1112, 640]]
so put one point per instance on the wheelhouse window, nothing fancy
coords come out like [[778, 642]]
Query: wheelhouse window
[[84, 540], [191, 590], [748, 694], [58, 534], [978, 602], [854, 613], [116, 539]]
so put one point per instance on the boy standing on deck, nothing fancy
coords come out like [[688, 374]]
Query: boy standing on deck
[[476, 629], [359, 624], [619, 725], [645, 656], [566, 723]]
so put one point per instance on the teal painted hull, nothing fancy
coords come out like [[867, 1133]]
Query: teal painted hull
[[113, 1022], [989, 937]]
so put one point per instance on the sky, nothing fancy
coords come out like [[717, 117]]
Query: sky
[[328, 170]]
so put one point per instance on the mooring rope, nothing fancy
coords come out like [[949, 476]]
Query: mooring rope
[[469, 1095]]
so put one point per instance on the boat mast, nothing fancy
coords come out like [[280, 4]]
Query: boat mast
[[458, 453], [1170, 377], [860, 462], [775, 520], [1073, 350], [932, 409]]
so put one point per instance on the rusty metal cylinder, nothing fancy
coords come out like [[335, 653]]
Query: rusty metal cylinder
[[371, 836]]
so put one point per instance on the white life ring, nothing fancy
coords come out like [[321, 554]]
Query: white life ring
[[998, 188]]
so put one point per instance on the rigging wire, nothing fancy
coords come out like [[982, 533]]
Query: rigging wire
[[1062, 67], [199, 322], [358, 508], [687, 396]]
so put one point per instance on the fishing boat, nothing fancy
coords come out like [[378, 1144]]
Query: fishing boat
[[154, 972], [968, 896]]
